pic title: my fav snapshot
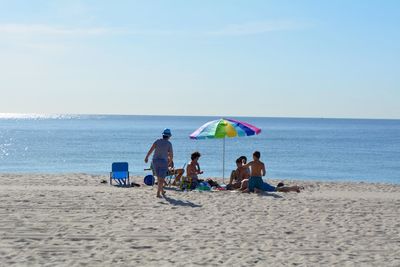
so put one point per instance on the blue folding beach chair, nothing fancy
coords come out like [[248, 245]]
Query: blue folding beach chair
[[120, 173]]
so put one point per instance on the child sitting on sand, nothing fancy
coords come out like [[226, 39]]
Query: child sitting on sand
[[193, 168], [256, 183]]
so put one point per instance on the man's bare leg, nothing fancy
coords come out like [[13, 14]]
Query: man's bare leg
[[287, 189], [160, 187]]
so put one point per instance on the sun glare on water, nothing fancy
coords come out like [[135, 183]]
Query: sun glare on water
[[34, 116]]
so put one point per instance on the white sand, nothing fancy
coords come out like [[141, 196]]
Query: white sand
[[74, 220]]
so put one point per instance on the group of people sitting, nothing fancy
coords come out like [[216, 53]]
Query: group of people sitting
[[247, 177]]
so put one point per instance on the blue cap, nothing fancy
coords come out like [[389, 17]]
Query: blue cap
[[167, 132]]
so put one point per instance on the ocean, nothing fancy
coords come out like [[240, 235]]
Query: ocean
[[292, 148]]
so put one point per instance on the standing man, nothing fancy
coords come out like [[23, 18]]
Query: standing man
[[162, 151]]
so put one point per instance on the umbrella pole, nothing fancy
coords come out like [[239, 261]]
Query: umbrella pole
[[223, 163]]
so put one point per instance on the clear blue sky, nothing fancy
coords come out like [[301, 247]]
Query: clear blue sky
[[250, 58]]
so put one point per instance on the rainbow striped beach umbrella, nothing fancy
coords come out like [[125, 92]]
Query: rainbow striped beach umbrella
[[223, 128]]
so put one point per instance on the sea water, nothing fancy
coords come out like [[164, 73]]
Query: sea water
[[292, 148]]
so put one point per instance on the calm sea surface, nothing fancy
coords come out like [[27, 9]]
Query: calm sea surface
[[309, 149]]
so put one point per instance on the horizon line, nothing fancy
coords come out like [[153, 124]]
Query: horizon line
[[13, 115]]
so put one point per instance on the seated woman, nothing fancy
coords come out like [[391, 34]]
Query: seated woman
[[238, 175], [244, 182], [193, 169], [172, 171]]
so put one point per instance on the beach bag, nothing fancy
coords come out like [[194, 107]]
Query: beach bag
[[212, 183], [203, 186]]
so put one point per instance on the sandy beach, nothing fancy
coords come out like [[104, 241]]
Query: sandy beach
[[74, 220]]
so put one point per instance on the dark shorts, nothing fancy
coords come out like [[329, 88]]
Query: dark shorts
[[257, 182], [160, 167], [268, 188]]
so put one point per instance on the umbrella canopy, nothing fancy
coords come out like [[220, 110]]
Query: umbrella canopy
[[223, 128]]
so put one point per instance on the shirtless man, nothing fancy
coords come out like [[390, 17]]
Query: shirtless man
[[193, 168], [256, 183]]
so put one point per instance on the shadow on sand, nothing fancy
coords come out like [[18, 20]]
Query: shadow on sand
[[182, 203], [265, 194]]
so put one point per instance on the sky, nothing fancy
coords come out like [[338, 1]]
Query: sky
[[280, 58]]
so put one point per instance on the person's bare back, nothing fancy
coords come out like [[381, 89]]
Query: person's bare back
[[257, 168]]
